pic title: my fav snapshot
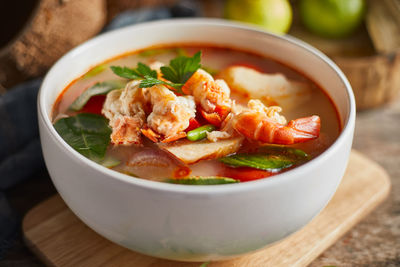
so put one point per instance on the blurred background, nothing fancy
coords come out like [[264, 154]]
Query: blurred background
[[361, 36]]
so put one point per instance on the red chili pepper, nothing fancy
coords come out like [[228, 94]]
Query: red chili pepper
[[181, 172], [245, 174], [222, 111], [193, 124], [94, 105]]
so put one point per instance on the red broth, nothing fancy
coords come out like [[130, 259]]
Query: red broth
[[214, 59]]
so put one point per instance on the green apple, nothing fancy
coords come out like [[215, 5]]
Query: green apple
[[272, 15], [332, 18]]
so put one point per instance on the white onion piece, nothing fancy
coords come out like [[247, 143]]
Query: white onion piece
[[150, 157]]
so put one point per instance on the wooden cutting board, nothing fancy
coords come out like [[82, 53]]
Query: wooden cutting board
[[59, 238]]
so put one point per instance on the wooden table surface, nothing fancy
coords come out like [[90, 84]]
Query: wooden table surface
[[376, 240]]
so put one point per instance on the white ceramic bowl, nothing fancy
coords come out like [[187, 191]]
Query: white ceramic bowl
[[195, 223]]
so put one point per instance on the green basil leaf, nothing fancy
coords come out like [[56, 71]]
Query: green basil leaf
[[97, 89], [270, 158], [126, 72], [202, 180], [87, 133], [265, 162]]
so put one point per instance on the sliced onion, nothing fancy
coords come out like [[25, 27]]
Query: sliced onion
[[150, 157]]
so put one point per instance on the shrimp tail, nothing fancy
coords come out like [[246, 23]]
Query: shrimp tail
[[297, 131], [308, 125], [213, 118], [217, 117], [174, 137], [150, 134], [153, 136], [269, 131], [126, 131]]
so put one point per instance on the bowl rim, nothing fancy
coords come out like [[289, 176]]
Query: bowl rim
[[199, 189]]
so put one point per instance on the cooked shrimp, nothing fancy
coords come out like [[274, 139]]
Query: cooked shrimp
[[226, 130], [266, 125], [170, 113], [213, 96], [124, 108]]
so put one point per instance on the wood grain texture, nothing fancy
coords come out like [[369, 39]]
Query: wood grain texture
[[383, 23], [59, 238]]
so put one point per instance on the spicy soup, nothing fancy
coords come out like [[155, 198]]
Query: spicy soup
[[162, 114]]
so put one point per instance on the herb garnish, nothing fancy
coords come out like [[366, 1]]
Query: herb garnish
[[101, 88], [141, 72], [269, 158], [181, 68], [266, 162], [175, 75], [87, 133]]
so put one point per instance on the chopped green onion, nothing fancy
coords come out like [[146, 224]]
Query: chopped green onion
[[200, 132], [265, 162]]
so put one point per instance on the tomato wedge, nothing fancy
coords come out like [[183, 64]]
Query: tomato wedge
[[193, 124], [94, 105], [245, 174]]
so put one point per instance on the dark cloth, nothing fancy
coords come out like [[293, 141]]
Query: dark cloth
[[20, 151]]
